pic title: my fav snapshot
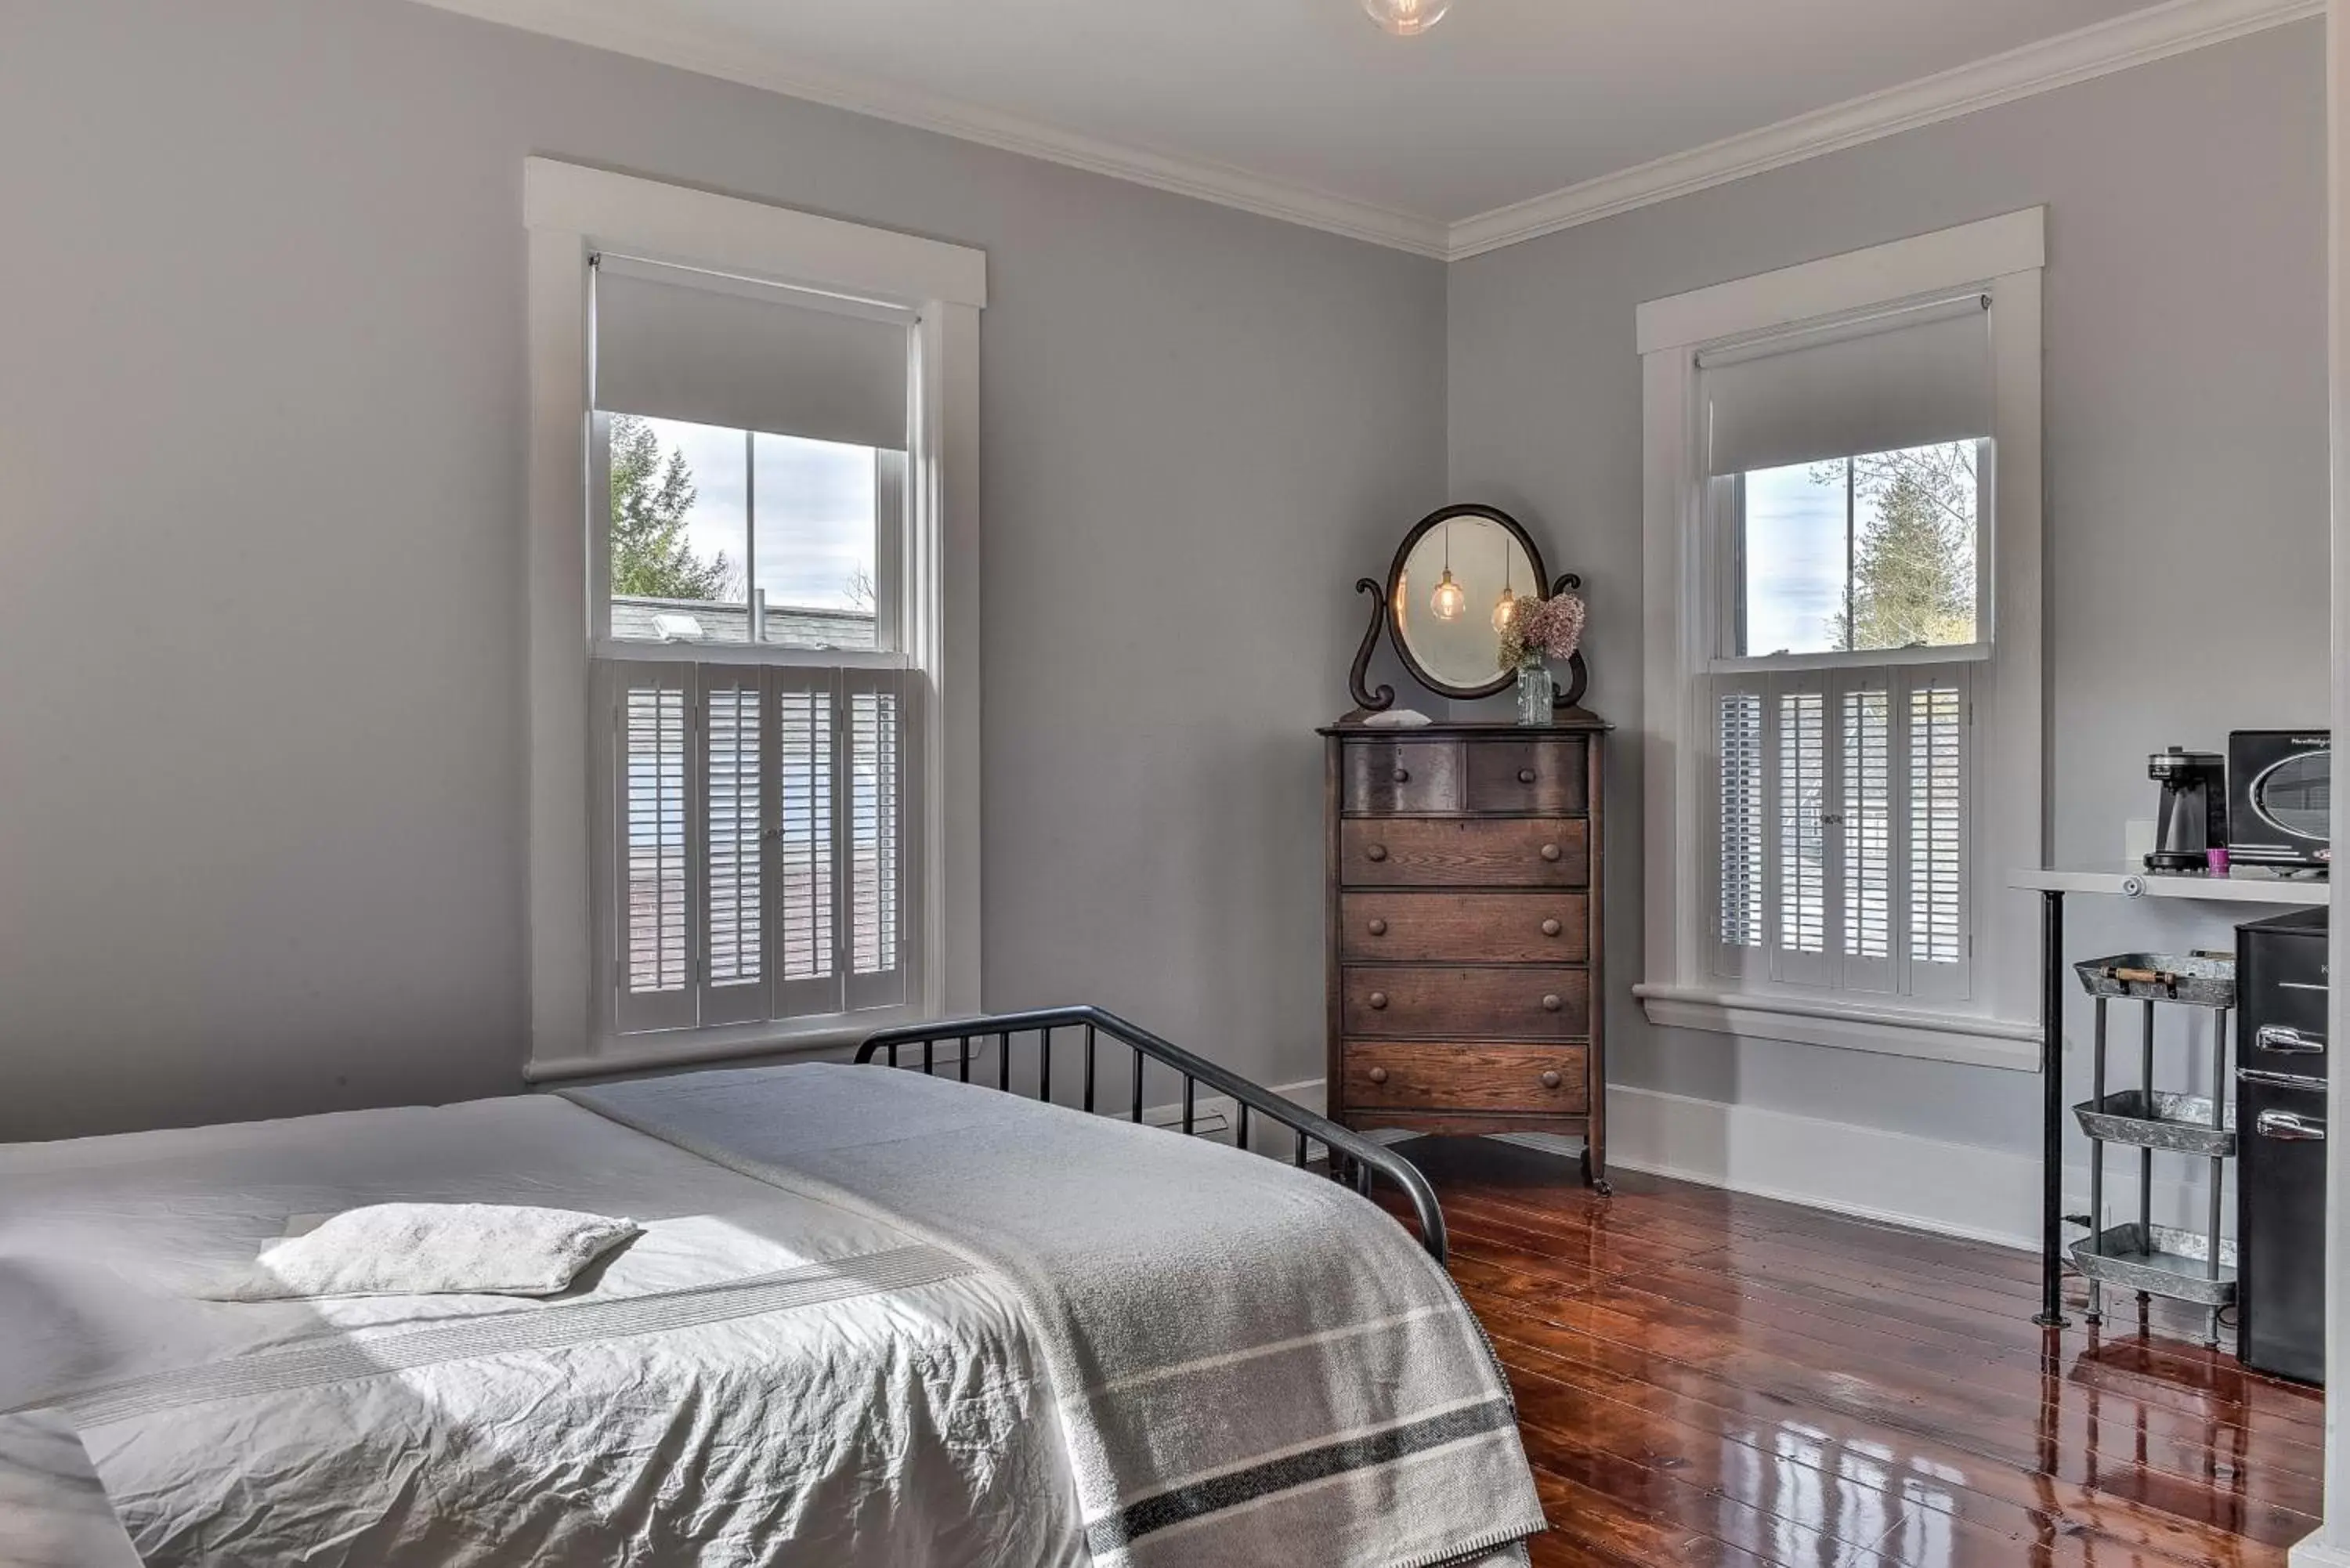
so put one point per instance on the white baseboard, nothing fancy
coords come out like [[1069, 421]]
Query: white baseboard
[[1217, 1117], [1959, 1189], [1901, 1178], [1895, 1178], [2314, 1553]]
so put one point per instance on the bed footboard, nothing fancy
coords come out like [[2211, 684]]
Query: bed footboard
[[1351, 1157]]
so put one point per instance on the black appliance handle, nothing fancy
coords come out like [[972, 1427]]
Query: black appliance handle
[[2289, 1127], [2286, 1039]]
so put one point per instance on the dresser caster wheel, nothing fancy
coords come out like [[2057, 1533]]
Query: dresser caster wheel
[[1602, 1188]]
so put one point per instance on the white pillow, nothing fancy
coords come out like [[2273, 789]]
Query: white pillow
[[431, 1248]]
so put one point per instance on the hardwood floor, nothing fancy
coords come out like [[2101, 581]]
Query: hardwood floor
[[1713, 1379]]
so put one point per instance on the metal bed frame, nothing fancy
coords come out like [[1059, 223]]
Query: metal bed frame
[[1352, 1158]]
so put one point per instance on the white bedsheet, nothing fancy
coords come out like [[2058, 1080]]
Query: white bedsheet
[[866, 1401]]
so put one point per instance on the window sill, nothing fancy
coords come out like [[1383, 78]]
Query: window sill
[[1966, 1039], [700, 1047]]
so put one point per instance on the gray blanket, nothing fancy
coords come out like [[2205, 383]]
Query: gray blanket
[[1253, 1365]]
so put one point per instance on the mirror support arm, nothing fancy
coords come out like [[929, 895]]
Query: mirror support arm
[[1369, 700], [1578, 678]]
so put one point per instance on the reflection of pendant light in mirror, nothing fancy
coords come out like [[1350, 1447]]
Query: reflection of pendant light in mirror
[[1505, 609], [1405, 17], [1448, 601]]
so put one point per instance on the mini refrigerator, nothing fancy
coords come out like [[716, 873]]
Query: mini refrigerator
[[2280, 1072]]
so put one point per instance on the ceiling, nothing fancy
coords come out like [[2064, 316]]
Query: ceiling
[[1304, 105]]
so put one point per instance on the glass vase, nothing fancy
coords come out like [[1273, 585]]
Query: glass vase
[[1535, 691]]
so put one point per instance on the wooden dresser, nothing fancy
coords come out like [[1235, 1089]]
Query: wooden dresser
[[1463, 923]]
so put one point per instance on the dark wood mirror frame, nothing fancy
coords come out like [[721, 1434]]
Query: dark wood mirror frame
[[1383, 619]]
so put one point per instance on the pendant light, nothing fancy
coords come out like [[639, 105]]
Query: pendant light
[[1448, 601], [1505, 609], [1405, 17]]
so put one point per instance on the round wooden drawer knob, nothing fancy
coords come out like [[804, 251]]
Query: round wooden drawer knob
[[1378, 1000], [1379, 928], [1403, 775], [1376, 852], [1525, 775], [1550, 851], [1550, 1001], [1379, 1075], [1549, 1080], [1550, 927]]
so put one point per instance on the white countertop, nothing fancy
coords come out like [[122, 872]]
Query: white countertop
[[2244, 884]]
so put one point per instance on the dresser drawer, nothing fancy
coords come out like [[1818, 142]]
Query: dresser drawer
[[1446, 1077], [1437, 854], [1445, 1001], [1463, 928], [1400, 777], [1537, 776]]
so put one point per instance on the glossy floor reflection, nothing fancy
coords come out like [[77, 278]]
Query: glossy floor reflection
[[1708, 1378]]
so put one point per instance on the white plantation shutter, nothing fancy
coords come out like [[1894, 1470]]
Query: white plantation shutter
[[1865, 832], [1939, 772], [1841, 817], [1738, 740], [735, 987], [654, 815], [1799, 733], [807, 892], [759, 843], [876, 859]]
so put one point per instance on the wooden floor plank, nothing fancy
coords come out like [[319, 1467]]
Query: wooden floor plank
[[2057, 1438], [1998, 1493], [1710, 1379]]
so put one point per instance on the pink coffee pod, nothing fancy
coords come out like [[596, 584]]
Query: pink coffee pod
[[2217, 859]]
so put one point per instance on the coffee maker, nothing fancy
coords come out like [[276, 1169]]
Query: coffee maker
[[2192, 819]]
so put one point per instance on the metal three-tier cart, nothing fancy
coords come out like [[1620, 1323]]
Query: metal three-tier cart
[[2136, 1255], [2139, 1254]]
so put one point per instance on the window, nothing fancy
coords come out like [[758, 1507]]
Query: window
[[1841, 802], [1843, 462], [753, 444], [753, 439]]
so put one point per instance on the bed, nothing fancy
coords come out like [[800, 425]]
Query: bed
[[874, 1317]]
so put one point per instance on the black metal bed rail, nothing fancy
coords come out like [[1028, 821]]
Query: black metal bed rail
[[1352, 1158]]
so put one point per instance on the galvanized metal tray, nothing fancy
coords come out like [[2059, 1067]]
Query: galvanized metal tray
[[2201, 979], [2181, 1123], [2166, 1262]]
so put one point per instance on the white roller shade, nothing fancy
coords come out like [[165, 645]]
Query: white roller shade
[[743, 357], [1912, 379]]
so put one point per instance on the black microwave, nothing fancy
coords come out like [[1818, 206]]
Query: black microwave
[[2280, 797]]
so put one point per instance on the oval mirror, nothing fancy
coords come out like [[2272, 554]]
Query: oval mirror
[[1454, 582]]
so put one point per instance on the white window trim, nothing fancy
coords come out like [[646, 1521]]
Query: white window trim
[[2004, 256], [570, 211]]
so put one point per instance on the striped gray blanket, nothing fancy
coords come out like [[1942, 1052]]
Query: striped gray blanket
[[1253, 1365]]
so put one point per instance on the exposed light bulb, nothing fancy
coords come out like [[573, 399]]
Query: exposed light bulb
[[1405, 17], [1505, 611], [1448, 601]]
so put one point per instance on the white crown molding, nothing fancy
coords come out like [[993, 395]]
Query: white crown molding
[[2135, 39], [714, 52], [2154, 34]]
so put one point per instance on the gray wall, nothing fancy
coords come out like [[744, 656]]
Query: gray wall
[[261, 418], [2186, 456], [262, 446]]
